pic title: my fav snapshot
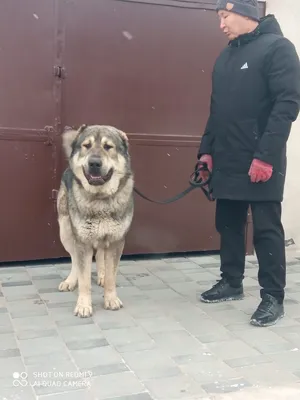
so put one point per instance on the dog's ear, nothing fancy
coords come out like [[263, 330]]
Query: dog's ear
[[69, 138], [124, 138]]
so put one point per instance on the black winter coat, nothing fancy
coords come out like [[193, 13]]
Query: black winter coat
[[255, 98]]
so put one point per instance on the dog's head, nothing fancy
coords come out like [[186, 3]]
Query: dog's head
[[98, 156]]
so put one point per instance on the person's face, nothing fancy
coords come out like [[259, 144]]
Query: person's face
[[232, 24]]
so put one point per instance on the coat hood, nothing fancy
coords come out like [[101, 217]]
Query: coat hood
[[267, 25]]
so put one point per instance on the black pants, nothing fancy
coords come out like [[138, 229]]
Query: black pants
[[231, 218]]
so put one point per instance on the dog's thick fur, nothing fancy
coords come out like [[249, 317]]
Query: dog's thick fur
[[95, 210]]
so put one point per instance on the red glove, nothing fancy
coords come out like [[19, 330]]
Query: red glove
[[207, 159], [260, 171]]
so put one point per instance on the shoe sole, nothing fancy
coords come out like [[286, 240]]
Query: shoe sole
[[254, 322], [238, 297]]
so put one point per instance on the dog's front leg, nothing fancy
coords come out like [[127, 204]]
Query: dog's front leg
[[100, 264], [84, 302], [112, 258]]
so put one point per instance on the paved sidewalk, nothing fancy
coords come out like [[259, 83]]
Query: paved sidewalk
[[163, 345]]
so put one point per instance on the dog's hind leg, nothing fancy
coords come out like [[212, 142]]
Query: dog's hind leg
[[66, 237], [112, 258], [100, 265], [84, 262]]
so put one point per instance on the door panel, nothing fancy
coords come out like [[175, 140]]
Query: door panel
[[27, 127], [154, 83]]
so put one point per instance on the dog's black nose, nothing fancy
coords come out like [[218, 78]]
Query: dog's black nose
[[95, 162]]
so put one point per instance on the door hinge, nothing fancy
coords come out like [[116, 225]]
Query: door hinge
[[59, 72], [54, 194]]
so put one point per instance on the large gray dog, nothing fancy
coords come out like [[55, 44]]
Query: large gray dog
[[95, 210]]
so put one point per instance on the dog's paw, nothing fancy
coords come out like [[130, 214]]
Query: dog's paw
[[67, 286], [112, 302], [100, 280], [83, 308]]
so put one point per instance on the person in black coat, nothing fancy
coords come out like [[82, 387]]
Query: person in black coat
[[254, 101]]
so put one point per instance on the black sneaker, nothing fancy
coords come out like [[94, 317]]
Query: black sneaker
[[268, 313], [222, 291]]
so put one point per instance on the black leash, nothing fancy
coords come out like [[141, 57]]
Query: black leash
[[195, 182]]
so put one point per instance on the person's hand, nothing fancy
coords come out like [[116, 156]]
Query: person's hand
[[205, 159], [260, 171]]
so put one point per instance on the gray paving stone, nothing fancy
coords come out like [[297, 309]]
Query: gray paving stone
[[59, 297], [11, 365], [3, 310], [289, 360], [11, 270], [13, 276], [62, 311], [80, 333], [195, 358], [74, 395], [263, 340], [99, 357], [163, 294], [108, 320], [160, 324], [107, 369], [105, 386], [71, 320], [16, 393], [50, 277], [171, 276], [267, 375], [229, 386], [36, 333], [183, 311], [86, 344], [177, 343], [8, 341], [210, 371], [175, 387], [133, 269], [212, 336], [145, 308], [126, 335], [55, 378], [50, 358], [52, 283], [21, 297], [232, 349], [42, 271], [139, 396], [41, 346], [247, 361], [187, 266], [204, 260], [27, 308], [226, 317], [188, 290], [17, 293], [8, 353], [16, 283], [150, 364], [129, 339], [147, 282], [289, 333], [5, 323], [33, 323]]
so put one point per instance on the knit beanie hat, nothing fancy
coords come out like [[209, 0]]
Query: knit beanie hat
[[247, 8]]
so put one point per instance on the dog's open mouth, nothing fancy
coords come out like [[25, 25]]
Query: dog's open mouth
[[97, 179]]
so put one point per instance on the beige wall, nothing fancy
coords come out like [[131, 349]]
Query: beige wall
[[287, 13]]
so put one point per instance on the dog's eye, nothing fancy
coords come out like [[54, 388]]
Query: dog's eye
[[87, 145], [107, 147]]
